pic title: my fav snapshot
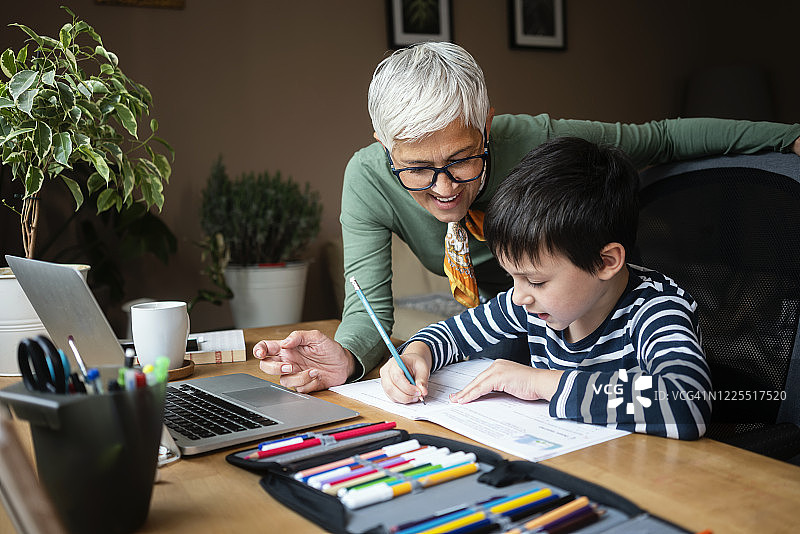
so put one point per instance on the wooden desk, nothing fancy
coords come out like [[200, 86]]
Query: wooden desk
[[698, 485]]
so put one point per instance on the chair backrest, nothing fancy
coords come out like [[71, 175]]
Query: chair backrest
[[727, 229]]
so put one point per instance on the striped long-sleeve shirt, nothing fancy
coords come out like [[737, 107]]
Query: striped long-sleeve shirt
[[642, 370]]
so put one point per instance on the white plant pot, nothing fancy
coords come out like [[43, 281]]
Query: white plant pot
[[18, 320], [267, 295]]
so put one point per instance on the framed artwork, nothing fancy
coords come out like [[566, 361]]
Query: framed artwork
[[169, 4], [414, 21], [537, 24]]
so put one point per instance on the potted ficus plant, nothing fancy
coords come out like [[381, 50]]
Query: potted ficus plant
[[256, 228], [69, 117]]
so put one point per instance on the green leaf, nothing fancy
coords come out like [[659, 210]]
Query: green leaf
[[81, 140], [118, 86], [82, 26], [114, 150], [106, 199], [153, 125], [42, 139], [75, 189], [33, 180], [62, 148], [95, 182], [84, 89], [22, 55], [75, 114], [8, 64], [145, 92], [150, 172], [110, 56], [126, 118], [72, 62], [101, 51], [49, 77], [162, 163], [128, 179], [98, 87], [65, 35], [33, 35], [25, 100], [5, 127], [50, 41], [105, 68], [97, 160], [6, 103], [20, 83]]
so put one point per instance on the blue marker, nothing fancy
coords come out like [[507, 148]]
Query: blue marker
[[382, 332]]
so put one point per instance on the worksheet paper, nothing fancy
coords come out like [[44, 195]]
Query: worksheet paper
[[518, 427]]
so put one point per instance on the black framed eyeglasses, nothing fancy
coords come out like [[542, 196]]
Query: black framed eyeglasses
[[460, 171]]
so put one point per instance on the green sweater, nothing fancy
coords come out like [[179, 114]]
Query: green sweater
[[375, 205]]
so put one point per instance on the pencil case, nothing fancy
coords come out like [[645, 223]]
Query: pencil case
[[494, 480]]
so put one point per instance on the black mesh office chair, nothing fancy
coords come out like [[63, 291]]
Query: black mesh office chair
[[727, 229]]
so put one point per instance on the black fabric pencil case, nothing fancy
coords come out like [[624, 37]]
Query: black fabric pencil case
[[495, 478]]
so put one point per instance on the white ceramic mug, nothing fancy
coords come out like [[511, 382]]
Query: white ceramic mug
[[160, 328]]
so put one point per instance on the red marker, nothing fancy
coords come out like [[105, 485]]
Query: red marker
[[338, 436]]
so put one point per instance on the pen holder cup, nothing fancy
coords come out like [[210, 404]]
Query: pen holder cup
[[96, 455]]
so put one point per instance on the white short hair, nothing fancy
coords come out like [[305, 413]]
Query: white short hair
[[423, 88]]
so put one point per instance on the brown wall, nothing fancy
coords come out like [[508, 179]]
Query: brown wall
[[282, 86]]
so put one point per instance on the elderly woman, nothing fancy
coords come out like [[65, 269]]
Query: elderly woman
[[439, 157]]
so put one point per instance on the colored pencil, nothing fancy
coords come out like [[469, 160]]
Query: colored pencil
[[385, 492], [545, 519], [396, 448], [478, 517], [313, 442], [317, 479]]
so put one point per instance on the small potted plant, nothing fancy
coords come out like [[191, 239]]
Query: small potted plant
[[256, 227], [69, 117]]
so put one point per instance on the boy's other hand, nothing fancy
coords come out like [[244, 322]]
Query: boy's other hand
[[521, 381], [417, 359]]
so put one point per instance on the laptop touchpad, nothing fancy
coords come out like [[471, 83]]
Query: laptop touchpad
[[264, 396]]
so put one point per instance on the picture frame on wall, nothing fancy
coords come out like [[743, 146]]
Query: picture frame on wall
[[414, 21], [537, 24]]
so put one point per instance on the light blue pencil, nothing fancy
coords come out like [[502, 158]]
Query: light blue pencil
[[382, 332]]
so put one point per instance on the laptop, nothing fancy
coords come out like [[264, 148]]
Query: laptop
[[203, 414]]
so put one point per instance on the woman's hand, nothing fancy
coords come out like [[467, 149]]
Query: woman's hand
[[306, 360]]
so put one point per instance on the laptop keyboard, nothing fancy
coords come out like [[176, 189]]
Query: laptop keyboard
[[197, 414]]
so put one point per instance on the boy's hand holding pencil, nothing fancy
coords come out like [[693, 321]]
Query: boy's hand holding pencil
[[417, 359]]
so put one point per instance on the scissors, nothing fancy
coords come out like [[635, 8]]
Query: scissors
[[44, 367]]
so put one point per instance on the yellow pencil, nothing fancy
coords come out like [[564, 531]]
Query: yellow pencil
[[497, 509], [456, 523], [521, 501]]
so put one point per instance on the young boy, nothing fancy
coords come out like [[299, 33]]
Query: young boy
[[611, 343]]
